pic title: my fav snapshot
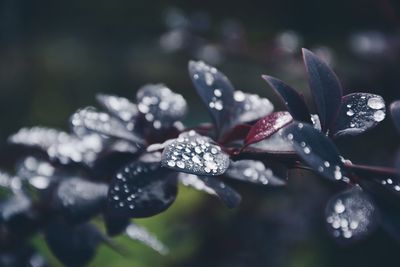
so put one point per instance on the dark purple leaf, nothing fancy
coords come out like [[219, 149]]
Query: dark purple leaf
[[325, 87], [79, 200], [216, 92], [275, 144], [267, 126], [294, 101], [196, 154], [239, 132], [118, 106], [250, 107], [141, 234], [385, 194], [115, 224], [317, 150], [351, 215], [142, 190], [253, 171], [225, 193], [358, 113], [74, 246], [395, 112], [159, 106]]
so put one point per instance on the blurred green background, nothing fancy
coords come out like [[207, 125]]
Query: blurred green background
[[56, 55]]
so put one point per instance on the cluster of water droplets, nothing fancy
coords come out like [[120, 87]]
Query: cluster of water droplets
[[332, 169], [139, 233], [250, 107], [160, 106], [362, 111], [88, 120], [10, 182], [253, 171], [391, 183], [350, 214], [196, 154], [37, 172], [120, 107], [191, 180], [74, 192], [60, 145], [138, 185], [208, 74]]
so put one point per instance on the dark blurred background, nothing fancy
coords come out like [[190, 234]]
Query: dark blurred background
[[56, 55]]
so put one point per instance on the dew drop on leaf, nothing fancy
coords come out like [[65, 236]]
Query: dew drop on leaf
[[253, 171], [90, 120], [118, 106], [193, 181], [317, 150], [250, 107], [196, 154], [268, 126], [80, 199], [159, 106], [216, 92], [351, 215], [142, 189], [359, 112]]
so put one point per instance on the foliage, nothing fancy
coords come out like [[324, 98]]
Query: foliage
[[126, 162]]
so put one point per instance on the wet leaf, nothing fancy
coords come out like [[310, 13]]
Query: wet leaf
[[351, 215], [193, 181], [141, 234], [317, 150], [79, 200], [253, 171], [74, 246], [23, 255], [18, 215], [160, 106], [41, 137], [79, 150], [224, 192], [250, 107], [196, 154], [18, 205], [294, 101], [395, 112], [358, 113], [89, 120], [59, 145], [275, 144], [325, 87], [118, 106], [216, 92], [142, 190], [267, 126]]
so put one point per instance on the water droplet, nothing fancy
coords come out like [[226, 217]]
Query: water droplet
[[376, 103], [379, 115]]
